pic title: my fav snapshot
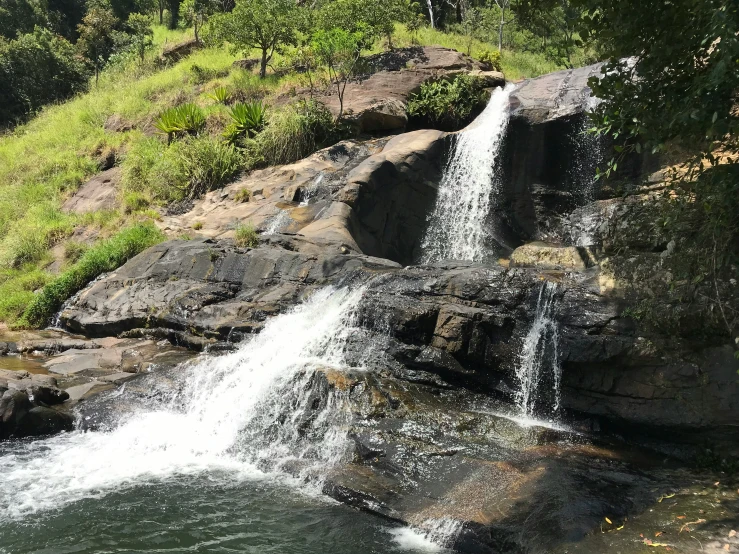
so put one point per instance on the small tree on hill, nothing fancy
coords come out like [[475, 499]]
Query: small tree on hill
[[263, 24], [96, 42], [142, 35], [340, 51]]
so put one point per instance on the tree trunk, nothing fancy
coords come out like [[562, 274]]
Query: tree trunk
[[431, 13], [500, 29], [263, 67], [161, 12]]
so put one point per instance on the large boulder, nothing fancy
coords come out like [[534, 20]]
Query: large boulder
[[545, 256], [554, 96], [98, 193], [379, 101]]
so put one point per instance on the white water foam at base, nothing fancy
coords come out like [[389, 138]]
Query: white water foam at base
[[209, 426]]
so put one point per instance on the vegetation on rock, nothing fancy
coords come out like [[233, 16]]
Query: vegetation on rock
[[447, 104], [106, 256]]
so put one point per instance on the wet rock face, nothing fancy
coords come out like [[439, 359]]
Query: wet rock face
[[453, 325], [27, 405]]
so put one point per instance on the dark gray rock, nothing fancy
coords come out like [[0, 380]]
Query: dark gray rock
[[47, 395], [41, 421]]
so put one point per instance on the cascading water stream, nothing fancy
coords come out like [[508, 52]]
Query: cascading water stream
[[243, 413], [539, 354], [588, 151], [457, 226]]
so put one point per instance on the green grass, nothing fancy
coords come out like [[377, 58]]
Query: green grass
[[105, 256], [245, 236]]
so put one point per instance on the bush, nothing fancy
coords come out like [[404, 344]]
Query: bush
[[246, 236], [207, 164], [180, 120], [105, 256], [247, 120], [244, 195], [492, 58], [447, 105], [293, 133], [36, 69]]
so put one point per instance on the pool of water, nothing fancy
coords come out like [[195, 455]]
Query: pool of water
[[207, 513]]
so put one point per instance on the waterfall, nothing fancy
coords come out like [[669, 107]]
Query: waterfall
[[277, 223], [539, 353], [248, 413], [588, 152], [456, 227]]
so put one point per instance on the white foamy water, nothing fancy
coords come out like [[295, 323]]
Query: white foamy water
[[244, 412], [434, 535], [277, 223], [539, 354], [458, 226]]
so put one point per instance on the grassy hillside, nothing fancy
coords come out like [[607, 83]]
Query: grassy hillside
[[44, 161]]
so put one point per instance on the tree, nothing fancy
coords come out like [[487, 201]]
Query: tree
[[174, 12], [142, 35], [372, 18], [196, 14], [35, 69], [671, 80], [263, 24], [96, 40], [472, 25], [18, 17], [554, 20], [503, 6], [339, 50]]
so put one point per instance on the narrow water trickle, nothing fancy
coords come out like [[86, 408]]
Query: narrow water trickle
[[250, 412], [539, 360], [588, 153], [457, 227]]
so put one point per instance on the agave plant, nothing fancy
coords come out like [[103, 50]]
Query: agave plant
[[184, 119], [247, 120], [221, 95]]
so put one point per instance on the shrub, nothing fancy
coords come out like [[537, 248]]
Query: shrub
[[246, 236], [447, 105], [244, 195], [200, 75], [208, 164], [492, 58], [247, 120], [292, 134], [180, 120], [197, 225], [105, 256]]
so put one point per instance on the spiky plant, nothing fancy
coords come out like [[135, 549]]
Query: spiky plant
[[247, 119], [184, 119], [221, 95]]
